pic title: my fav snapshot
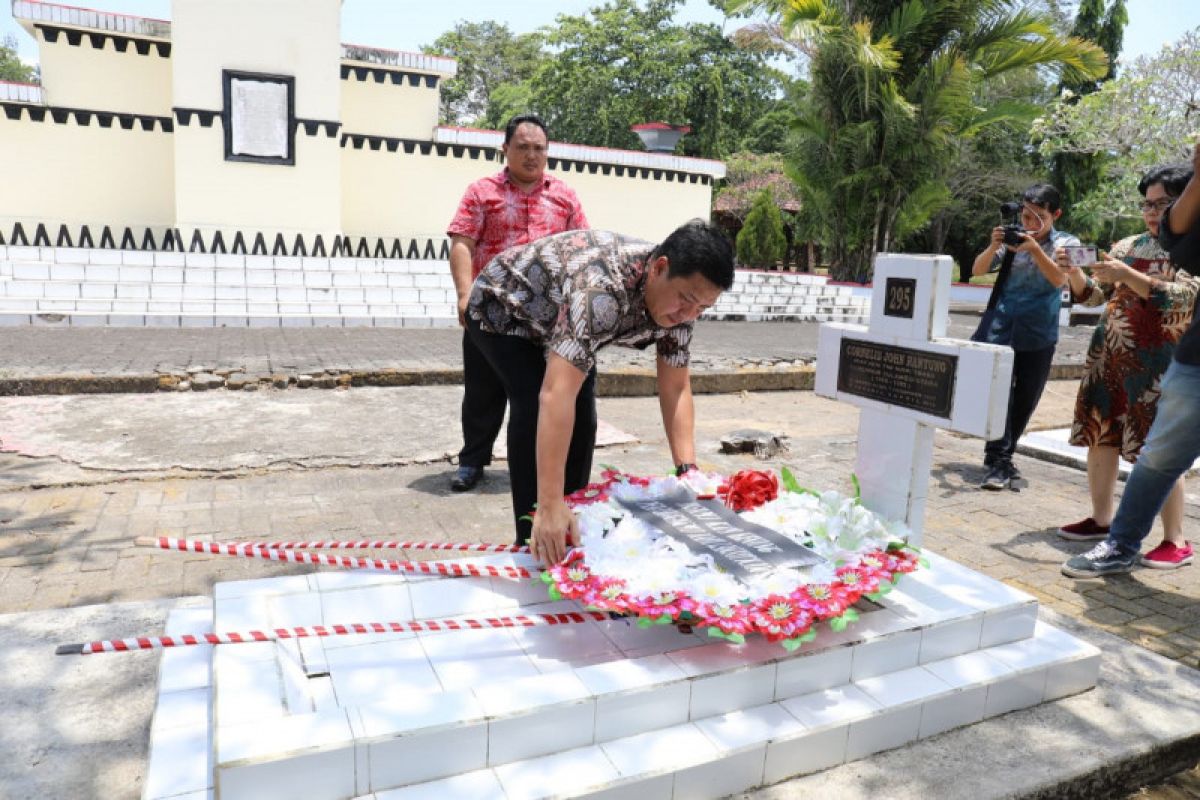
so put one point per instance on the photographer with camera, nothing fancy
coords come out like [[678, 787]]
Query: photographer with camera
[[1173, 443], [1148, 305], [1023, 314]]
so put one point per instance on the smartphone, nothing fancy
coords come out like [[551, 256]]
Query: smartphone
[[1081, 255]]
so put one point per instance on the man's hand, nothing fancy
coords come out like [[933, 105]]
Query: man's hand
[[1028, 244], [554, 528], [997, 238], [1110, 270], [462, 309]]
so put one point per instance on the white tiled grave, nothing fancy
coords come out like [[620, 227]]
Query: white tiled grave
[[599, 709]]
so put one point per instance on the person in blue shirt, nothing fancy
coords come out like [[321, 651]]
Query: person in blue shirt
[[1026, 319]]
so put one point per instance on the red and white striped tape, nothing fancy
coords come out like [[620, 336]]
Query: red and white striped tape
[[455, 568], [389, 545], [351, 629]]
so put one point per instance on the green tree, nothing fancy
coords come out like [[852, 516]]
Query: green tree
[[760, 242], [892, 92], [1077, 174], [12, 68], [625, 63], [1142, 118], [494, 68]]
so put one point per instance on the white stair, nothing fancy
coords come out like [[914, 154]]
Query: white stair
[[595, 709]]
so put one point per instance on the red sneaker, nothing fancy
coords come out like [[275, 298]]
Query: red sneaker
[[1168, 556], [1085, 530]]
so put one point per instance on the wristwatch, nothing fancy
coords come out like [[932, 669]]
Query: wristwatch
[[683, 469]]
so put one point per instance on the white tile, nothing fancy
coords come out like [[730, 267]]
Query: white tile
[[723, 777], [470, 658], [261, 586], [949, 639], [316, 774], [563, 774], [883, 731], [367, 604], [247, 689], [479, 785], [362, 674], [664, 750], [240, 614], [1008, 626], [186, 708], [720, 656], [1020, 690], [185, 668], [659, 787], [565, 646], [628, 713], [630, 674], [881, 656], [294, 610], [458, 597], [428, 756], [830, 707], [286, 738], [179, 762], [962, 707], [395, 714], [1072, 677], [636, 642], [805, 754], [809, 672], [525, 695], [969, 669], [550, 730], [746, 728], [903, 687], [741, 688]]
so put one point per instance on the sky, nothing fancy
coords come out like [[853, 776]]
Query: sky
[[409, 24]]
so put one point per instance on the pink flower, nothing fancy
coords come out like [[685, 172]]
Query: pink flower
[[607, 593], [729, 619], [823, 600], [659, 604]]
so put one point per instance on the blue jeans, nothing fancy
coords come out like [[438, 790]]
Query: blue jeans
[[1172, 444]]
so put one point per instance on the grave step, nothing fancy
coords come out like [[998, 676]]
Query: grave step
[[728, 753]]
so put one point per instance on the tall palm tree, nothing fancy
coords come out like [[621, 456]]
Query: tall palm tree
[[893, 88]]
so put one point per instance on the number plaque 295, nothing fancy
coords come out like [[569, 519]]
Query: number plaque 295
[[900, 296]]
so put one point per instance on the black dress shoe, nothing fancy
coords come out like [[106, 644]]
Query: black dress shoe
[[465, 478]]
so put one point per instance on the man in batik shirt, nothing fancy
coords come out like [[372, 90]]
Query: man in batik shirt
[[539, 313], [518, 205]]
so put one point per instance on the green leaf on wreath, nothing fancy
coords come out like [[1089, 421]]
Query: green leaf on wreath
[[736, 638], [850, 615], [808, 637], [546, 576], [837, 624], [716, 633], [644, 622], [857, 489], [790, 644], [665, 619], [792, 485], [555, 594]]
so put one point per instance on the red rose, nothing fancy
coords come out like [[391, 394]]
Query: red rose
[[749, 489]]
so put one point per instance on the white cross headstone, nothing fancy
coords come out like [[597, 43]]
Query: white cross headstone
[[908, 380]]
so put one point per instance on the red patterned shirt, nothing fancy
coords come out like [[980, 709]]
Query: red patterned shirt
[[498, 215]]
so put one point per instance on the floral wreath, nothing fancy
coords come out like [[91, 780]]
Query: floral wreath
[[626, 566]]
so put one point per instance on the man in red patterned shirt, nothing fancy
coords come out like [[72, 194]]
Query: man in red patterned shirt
[[516, 206]]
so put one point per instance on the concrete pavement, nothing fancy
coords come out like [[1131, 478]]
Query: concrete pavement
[[726, 356]]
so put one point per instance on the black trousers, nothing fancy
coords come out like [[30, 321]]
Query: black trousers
[[520, 365], [1031, 369], [484, 400]]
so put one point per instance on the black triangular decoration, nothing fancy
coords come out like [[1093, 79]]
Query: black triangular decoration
[[168, 125], [431, 81], [147, 123], [51, 34], [12, 112], [360, 73], [239, 245], [592, 168], [97, 40], [40, 237], [127, 240], [197, 242], [1, 238], [298, 248], [74, 37], [430, 252], [105, 120], [126, 121], [206, 118], [380, 249], [413, 250], [445, 251], [392, 144], [364, 249], [619, 170], [260, 245], [142, 47], [84, 118], [164, 49], [218, 243], [168, 242], [106, 239], [337, 250], [85, 237], [18, 237], [319, 247], [345, 72], [280, 248], [59, 115], [64, 237], [426, 147], [658, 174], [380, 75], [397, 249], [474, 152], [121, 43], [148, 242], [37, 114], [409, 147], [374, 142], [413, 79]]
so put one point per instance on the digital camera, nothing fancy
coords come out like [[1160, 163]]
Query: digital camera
[[1010, 221]]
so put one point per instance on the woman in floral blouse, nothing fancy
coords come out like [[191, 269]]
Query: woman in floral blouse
[[1149, 306]]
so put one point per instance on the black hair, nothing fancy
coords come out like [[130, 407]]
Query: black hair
[[1043, 195], [697, 246], [523, 119], [1173, 178]]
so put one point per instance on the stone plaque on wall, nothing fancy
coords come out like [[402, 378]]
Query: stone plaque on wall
[[259, 118]]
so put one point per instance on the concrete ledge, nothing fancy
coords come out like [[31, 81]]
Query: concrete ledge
[[79, 384]]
